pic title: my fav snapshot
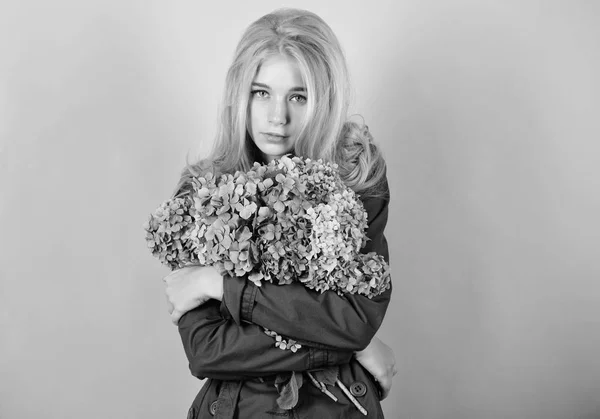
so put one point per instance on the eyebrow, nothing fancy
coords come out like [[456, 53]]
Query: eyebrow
[[265, 86]]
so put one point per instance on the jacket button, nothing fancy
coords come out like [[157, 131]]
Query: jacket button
[[213, 407], [358, 389]]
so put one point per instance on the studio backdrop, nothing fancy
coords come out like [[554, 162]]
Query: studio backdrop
[[487, 114]]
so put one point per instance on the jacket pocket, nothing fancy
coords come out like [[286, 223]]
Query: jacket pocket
[[363, 387], [373, 389], [195, 408]]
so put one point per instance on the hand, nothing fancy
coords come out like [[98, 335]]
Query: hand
[[190, 287], [379, 360]]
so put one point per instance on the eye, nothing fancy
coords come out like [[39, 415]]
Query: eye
[[259, 93], [298, 98]]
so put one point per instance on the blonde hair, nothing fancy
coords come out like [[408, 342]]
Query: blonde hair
[[325, 133]]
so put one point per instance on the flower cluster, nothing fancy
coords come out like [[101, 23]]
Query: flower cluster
[[290, 220], [281, 342], [225, 210], [168, 233]]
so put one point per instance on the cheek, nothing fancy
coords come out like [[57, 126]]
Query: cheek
[[251, 120], [257, 115], [298, 115]]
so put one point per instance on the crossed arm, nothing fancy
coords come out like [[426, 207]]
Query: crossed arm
[[225, 340], [217, 347]]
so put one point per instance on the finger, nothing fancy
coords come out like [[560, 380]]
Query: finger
[[173, 275], [170, 305], [386, 386], [384, 394], [175, 316]]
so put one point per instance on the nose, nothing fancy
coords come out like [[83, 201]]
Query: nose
[[278, 112]]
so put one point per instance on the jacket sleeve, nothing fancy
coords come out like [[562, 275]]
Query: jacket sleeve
[[325, 319], [217, 347]]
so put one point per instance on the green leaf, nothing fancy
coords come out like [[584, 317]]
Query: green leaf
[[327, 376], [288, 391]]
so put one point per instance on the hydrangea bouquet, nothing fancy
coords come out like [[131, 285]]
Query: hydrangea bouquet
[[290, 220]]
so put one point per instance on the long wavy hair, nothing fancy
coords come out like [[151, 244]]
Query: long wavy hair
[[326, 132]]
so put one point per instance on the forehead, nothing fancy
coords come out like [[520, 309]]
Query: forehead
[[279, 71]]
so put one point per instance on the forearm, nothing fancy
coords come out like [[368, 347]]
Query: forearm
[[217, 347], [342, 323], [346, 322]]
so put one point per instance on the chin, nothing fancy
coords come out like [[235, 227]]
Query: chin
[[275, 152]]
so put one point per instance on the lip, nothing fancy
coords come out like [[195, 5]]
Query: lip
[[274, 137], [275, 134]]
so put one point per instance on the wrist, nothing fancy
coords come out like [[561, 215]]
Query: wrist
[[216, 285]]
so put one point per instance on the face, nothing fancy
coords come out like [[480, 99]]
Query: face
[[277, 106]]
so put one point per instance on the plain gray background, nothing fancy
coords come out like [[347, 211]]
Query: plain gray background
[[488, 115]]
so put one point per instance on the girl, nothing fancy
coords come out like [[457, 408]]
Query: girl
[[286, 93]]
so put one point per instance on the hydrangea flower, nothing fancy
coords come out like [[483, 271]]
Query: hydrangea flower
[[169, 233]]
